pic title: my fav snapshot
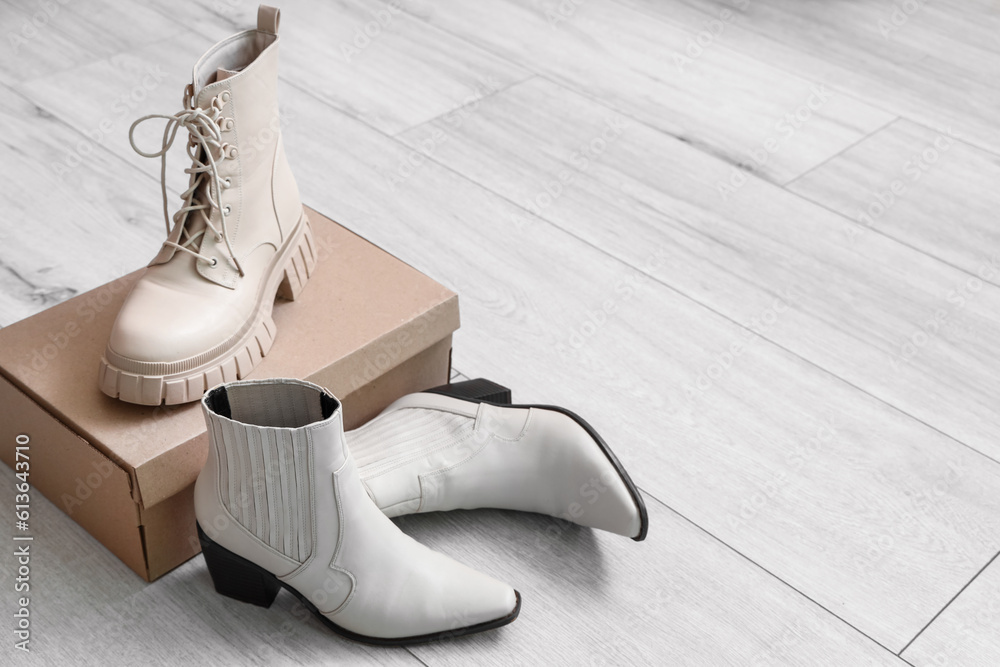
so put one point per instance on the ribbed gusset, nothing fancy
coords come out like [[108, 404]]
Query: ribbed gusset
[[264, 481], [404, 434]]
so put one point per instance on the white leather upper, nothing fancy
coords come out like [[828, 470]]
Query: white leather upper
[[428, 452], [384, 445], [349, 559]]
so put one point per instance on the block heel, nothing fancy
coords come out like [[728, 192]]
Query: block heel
[[236, 577], [300, 266], [479, 389]]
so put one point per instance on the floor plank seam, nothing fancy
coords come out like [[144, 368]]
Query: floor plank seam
[[714, 568], [554, 78], [699, 144], [995, 282], [994, 153], [761, 177], [624, 262], [839, 153], [709, 308], [948, 604], [476, 102], [764, 569], [782, 68], [750, 560]]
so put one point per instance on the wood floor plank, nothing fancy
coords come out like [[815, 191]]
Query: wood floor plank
[[101, 99], [896, 322], [920, 186], [826, 487], [42, 38], [66, 229], [371, 60], [968, 631], [630, 61], [873, 517], [590, 598], [932, 62]]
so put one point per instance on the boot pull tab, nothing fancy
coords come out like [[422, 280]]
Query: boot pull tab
[[268, 19]]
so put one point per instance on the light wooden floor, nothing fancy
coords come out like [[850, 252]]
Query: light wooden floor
[[755, 242]]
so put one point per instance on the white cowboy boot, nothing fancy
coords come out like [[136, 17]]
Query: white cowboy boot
[[279, 503], [201, 312], [464, 446]]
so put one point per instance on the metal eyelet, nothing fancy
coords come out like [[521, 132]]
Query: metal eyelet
[[227, 210], [215, 261], [227, 182]]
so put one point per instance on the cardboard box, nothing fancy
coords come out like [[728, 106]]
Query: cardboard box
[[367, 326]]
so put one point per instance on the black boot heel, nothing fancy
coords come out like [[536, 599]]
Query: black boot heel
[[479, 390], [236, 577]]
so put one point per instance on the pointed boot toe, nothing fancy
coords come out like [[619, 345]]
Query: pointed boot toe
[[465, 446], [415, 594], [428, 598], [280, 504], [475, 599], [605, 498]]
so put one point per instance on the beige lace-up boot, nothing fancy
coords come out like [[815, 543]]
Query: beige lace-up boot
[[201, 312]]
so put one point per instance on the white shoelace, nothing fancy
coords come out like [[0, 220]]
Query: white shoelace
[[205, 130]]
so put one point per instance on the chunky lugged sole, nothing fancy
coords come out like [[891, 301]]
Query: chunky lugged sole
[[482, 390], [243, 580], [286, 280]]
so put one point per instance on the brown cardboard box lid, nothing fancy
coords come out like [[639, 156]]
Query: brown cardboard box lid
[[362, 313]]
